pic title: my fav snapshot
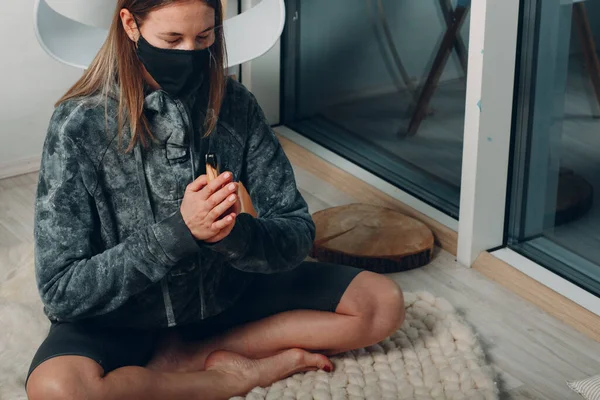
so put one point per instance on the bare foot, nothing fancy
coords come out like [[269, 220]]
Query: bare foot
[[265, 371]]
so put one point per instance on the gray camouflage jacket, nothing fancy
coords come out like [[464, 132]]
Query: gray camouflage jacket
[[111, 244]]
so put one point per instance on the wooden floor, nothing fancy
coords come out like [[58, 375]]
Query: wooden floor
[[533, 353]]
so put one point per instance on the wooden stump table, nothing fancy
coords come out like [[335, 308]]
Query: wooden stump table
[[373, 238]]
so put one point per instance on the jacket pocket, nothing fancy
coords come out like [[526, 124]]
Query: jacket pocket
[[164, 175]]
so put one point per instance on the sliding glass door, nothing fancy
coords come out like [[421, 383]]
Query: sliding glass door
[[555, 195], [382, 83]]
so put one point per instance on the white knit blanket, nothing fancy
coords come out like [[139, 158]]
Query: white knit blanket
[[435, 355]]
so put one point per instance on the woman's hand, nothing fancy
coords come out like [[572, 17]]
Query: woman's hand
[[236, 209], [221, 235], [207, 207]]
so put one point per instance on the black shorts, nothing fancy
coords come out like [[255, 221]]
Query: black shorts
[[310, 286]]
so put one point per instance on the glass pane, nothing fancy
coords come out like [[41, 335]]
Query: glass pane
[[382, 82], [555, 210]]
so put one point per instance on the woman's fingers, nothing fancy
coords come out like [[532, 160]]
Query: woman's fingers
[[222, 207], [214, 185], [197, 184], [205, 201], [220, 196], [223, 223]]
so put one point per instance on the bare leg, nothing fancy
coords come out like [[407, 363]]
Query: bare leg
[[227, 375], [370, 310]]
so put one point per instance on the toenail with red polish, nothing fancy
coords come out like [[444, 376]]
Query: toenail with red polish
[[327, 368]]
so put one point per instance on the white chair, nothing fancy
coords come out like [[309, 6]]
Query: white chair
[[72, 32]]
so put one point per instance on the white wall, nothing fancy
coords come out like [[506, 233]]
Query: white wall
[[262, 75], [30, 83]]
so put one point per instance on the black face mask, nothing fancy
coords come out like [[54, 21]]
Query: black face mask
[[178, 72]]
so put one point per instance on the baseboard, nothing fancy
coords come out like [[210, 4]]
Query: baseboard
[[19, 167], [537, 293], [446, 238]]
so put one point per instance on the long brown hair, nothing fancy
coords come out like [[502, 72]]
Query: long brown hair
[[117, 63]]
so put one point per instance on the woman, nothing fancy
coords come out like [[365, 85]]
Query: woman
[[157, 286]]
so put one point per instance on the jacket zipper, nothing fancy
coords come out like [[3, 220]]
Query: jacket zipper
[[192, 147]]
